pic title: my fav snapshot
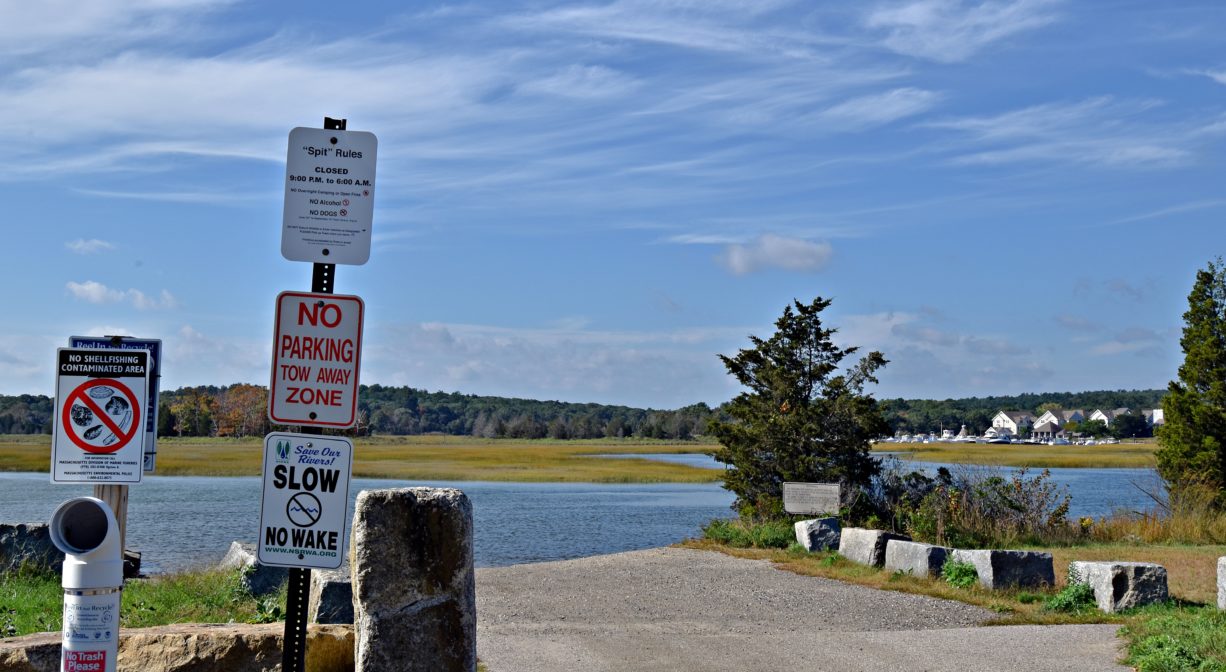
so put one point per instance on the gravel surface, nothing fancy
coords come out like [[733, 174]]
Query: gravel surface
[[681, 609]]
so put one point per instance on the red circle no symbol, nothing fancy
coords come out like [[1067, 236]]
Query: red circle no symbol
[[101, 428]]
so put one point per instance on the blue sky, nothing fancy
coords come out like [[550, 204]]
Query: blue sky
[[588, 201]]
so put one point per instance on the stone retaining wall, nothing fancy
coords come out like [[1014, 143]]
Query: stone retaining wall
[[193, 647]]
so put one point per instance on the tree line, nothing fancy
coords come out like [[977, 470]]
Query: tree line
[[240, 410]]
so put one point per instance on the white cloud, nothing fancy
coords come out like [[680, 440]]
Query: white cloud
[[95, 292], [570, 362], [1218, 76], [1097, 131], [949, 31], [717, 26], [772, 251], [39, 27], [879, 109], [583, 81], [91, 246]]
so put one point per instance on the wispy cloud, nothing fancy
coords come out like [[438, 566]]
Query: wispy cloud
[[91, 291], [1164, 213], [1078, 323], [772, 251], [91, 246], [39, 27], [717, 26], [583, 81], [1218, 76], [879, 109], [953, 30], [1097, 131], [1142, 341]]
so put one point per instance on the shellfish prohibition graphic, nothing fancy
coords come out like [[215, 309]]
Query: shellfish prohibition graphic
[[101, 415]]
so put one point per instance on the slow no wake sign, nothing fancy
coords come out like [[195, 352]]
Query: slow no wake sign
[[317, 349]]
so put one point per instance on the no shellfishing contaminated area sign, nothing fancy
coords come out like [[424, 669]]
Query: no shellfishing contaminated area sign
[[316, 354], [306, 497], [99, 431]]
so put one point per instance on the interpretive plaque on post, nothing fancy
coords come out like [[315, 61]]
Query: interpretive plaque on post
[[811, 498]]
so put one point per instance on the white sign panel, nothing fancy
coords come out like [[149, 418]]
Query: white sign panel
[[154, 346], [317, 351], [329, 196], [306, 497], [811, 498], [99, 431]]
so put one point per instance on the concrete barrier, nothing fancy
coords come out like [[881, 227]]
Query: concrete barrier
[[915, 558], [818, 534], [1121, 585], [1007, 569], [866, 547], [1221, 582]]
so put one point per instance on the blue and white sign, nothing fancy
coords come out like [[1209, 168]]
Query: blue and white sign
[[154, 347], [306, 498]]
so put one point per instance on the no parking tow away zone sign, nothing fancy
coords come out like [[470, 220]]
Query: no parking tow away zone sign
[[99, 429], [306, 496], [316, 355]]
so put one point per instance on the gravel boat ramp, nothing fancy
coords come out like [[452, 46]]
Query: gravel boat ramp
[[681, 609]]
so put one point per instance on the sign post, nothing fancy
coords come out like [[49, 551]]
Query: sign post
[[329, 205]]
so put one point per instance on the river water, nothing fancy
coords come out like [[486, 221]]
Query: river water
[[178, 522]]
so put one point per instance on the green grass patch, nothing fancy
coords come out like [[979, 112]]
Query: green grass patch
[[739, 534], [32, 602], [1177, 639]]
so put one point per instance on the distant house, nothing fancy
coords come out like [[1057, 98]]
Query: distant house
[[1154, 417], [1107, 416], [1052, 424], [1011, 422]]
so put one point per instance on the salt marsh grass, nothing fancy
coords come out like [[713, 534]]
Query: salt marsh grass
[[426, 458], [1134, 455]]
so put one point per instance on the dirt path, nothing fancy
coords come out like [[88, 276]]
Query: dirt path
[[679, 609]]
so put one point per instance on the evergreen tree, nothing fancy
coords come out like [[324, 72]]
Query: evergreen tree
[[800, 418], [1193, 441]]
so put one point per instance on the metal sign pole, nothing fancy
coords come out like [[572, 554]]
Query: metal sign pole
[[293, 655]]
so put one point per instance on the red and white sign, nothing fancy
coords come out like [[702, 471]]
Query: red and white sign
[[317, 352], [99, 430], [85, 661]]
